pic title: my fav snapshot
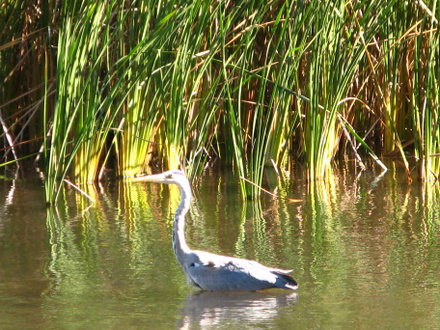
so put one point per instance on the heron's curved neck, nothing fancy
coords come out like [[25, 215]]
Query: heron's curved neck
[[179, 243]]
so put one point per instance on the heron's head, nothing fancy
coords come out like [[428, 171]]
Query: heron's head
[[168, 177]]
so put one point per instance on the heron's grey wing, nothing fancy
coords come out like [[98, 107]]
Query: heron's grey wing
[[231, 274]]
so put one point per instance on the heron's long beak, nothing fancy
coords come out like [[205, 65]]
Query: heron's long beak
[[150, 178]]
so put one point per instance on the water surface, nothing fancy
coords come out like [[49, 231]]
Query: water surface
[[364, 248]]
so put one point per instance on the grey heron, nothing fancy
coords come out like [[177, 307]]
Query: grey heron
[[209, 271]]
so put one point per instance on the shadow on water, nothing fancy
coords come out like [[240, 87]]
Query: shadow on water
[[360, 244]]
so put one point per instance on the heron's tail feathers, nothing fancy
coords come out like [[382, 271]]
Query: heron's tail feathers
[[287, 282]]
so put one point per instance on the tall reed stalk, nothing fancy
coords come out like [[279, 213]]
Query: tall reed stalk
[[425, 99], [331, 69], [80, 122]]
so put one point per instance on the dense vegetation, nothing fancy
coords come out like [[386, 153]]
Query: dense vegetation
[[91, 85]]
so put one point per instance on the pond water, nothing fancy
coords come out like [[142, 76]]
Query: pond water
[[365, 249]]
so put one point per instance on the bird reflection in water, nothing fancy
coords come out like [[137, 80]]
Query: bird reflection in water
[[205, 309]]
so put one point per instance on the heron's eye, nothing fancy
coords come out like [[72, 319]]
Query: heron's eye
[[169, 176]]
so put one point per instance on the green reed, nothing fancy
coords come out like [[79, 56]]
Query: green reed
[[139, 116], [79, 124], [425, 98]]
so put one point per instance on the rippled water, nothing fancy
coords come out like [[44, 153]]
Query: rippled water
[[364, 248]]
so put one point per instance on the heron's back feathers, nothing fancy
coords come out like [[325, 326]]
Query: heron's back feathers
[[220, 273]]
